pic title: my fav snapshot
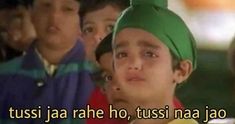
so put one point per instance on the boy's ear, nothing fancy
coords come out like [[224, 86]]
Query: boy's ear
[[183, 71]]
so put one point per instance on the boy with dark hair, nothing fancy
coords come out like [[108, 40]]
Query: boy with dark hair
[[52, 71], [96, 30], [97, 20], [88, 6], [153, 52]]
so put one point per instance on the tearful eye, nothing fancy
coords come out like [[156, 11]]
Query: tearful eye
[[150, 54], [121, 55], [88, 30], [109, 28], [108, 78]]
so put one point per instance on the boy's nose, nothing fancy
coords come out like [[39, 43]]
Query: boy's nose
[[54, 16], [99, 36], [134, 63]]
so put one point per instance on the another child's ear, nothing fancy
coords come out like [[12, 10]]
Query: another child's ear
[[183, 71]]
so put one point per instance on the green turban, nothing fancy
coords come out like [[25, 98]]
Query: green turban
[[154, 17]]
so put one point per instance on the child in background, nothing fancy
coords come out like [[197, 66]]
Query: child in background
[[16, 29], [52, 72], [103, 55], [97, 20]]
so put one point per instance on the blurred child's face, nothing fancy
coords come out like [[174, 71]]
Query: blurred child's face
[[110, 87], [56, 23], [18, 28], [96, 25], [143, 71], [106, 66]]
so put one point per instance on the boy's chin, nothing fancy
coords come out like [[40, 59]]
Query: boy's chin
[[125, 106]]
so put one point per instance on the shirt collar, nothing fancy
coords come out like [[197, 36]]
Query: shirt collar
[[50, 68], [31, 59]]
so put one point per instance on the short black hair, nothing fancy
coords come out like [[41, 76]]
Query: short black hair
[[13, 4], [105, 46], [87, 6], [30, 2]]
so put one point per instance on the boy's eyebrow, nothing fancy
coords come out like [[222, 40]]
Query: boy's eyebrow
[[144, 43], [110, 19], [121, 45]]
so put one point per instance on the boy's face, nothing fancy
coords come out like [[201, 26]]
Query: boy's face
[[56, 22], [16, 28], [106, 63], [96, 25], [143, 71]]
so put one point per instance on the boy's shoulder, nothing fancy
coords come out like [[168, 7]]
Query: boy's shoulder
[[11, 66]]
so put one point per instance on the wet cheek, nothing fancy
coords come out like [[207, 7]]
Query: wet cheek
[[120, 73], [121, 64], [161, 80], [150, 63]]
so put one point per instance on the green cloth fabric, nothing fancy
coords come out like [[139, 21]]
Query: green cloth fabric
[[161, 3], [154, 17]]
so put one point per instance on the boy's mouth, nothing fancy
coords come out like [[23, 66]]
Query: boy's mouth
[[119, 103], [53, 29], [134, 77]]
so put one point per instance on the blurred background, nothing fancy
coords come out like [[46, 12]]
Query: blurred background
[[212, 22]]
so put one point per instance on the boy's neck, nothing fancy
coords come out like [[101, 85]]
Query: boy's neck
[[51, 55]]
